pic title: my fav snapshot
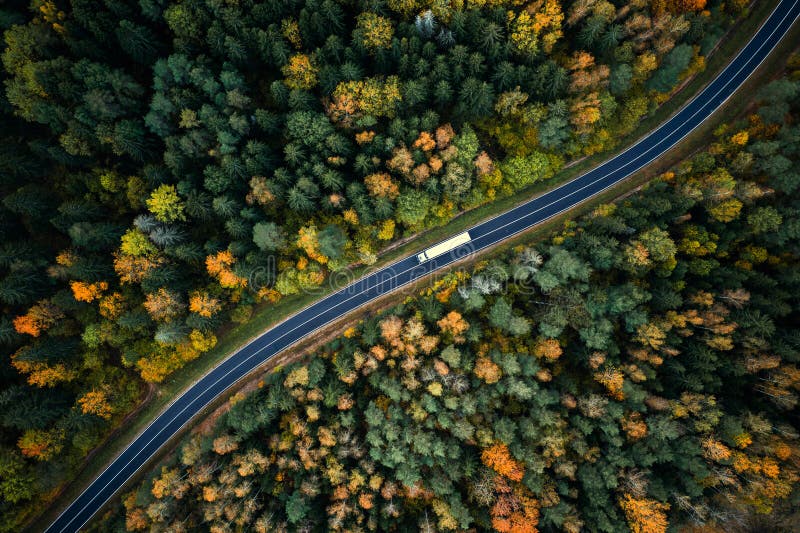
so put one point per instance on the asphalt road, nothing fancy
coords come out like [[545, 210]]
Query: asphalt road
[[409, 269]]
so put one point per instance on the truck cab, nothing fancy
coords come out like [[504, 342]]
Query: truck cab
[[422, 257]]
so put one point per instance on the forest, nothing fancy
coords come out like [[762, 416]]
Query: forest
[[169, 167], [635, 370]]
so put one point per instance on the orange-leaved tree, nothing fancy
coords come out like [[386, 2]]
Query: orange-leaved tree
[[38, 318], [643, 515], [498, 458], [96, 403], [88, 292]]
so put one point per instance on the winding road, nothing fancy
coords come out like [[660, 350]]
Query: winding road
[[407, 270]]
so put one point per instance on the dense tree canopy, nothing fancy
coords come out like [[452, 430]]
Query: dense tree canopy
[[167, 165]]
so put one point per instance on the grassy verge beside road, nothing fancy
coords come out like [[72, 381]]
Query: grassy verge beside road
[[267, 316]]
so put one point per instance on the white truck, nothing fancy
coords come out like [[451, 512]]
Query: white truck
[[444, 247]]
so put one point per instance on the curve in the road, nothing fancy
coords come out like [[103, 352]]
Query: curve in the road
[[407, 270]]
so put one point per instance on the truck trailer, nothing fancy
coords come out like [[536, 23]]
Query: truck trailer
[[444, 247]]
